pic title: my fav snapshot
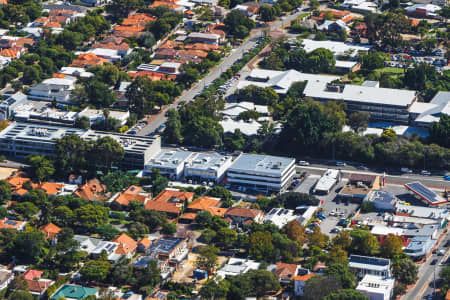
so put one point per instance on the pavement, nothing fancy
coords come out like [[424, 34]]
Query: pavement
[[436, 182], [188, 95], [427, 274]]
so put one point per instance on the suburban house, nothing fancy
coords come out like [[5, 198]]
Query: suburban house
[[58, 89], [127, 246], [376, 287], [7, 222], [143, 244], [132, 193], [37, 285], [207, 38], [299, 283], [91, 190], [205, 203], [86, 60], [170, 201], [285, 272], [243, 216], [237, 266], [173, 249], [50, 231]]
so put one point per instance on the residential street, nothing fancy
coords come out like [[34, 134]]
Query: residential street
[[188, 95]]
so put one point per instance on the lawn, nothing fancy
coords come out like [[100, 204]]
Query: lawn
[[390, 70]]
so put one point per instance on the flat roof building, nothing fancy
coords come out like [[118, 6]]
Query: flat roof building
[[21, 139], [261, 172], [338, 48], [419, 247], [362, 265], [210, 167], [376, 287], [425, 194], [280, 216], [169, 162], [327, 181]]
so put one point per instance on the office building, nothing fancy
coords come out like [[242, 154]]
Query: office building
[[362, 265], [376, 287], [419, 247], [425, 113], [382, 200], [261, 172], [169, 162], [382, 103], [21, 139], [209, 167]]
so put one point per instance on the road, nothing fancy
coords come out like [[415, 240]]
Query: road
[[426, 276], [433, 181], [215, 73]]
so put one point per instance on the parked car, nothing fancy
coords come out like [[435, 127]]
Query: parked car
[[332, 213], [340, 164], [303, 163], [361, 167], [425, 173], [335, 230], [321, 216], [441, 252], [434, 261], [406, 170]]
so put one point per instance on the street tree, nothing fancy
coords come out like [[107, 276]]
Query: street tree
[[207, 258]]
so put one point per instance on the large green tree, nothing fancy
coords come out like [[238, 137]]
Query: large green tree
[[96, 270], [40, 167], [440, 131], [173, 131]]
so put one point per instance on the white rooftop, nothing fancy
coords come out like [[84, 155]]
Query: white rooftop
[[280, 216], [237, 266], [396, 97], [338, 48], [261, 164], [327, 180], [247, 128], [376, 285], [169, 158]]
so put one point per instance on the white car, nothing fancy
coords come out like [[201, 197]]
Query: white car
[[331, 213], [303, 163]]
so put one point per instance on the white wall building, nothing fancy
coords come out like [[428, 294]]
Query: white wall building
[[327, 181], [209, 167], [376, 287], [169, 162], [237, 266], [279, 216], [96, 115], [262, 172], [53, 88]]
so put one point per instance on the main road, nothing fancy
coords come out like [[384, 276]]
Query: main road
[[227, 62]]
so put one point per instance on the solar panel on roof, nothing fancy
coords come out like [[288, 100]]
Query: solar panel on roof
[[424, 192]]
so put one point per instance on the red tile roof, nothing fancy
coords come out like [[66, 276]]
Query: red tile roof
[[154, 76], [304, 277], [144, 242], [51, 188], [50, 230], [169, 201], [32, 274], [243, 212], [284, 270], [87, 60], [132, 193], [90, 190], [126, 244], [39, 286]]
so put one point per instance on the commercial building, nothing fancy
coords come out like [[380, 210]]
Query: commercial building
[[7, 106], [338, 48], [382, 103], [21, 139], [328, 180], [362, 265], [419, 247], [207, 38], [233, 110], [280, 216], [281, 81], [424, 113], [425, 194], [209, 167], [96, 115], [436, 214], [169, 162], [359, 186], [382, 200], [261, 172], [376, 287]]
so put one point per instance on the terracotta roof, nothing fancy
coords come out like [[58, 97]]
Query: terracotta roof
[[170, 201], [304, 277], [130, 29], [165, 3], [39, 286], [201, 46], [132, 193], [53, 25], [243, 212], [32, 274], [10, 52], [284, 270], [204, 203], [51, 188], [138, 19], [50, 230], [144, 242], [447, 296], [20, 192], [7, 223], [88, 59], [41, 20], [24, 41], [17, 181], [114, 46], [59, 19], [126, 244], [189, 216], [168, 44], [347, 19], [90, 190], [198, 53], [337, 14], [3, 2], [154, 76]]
